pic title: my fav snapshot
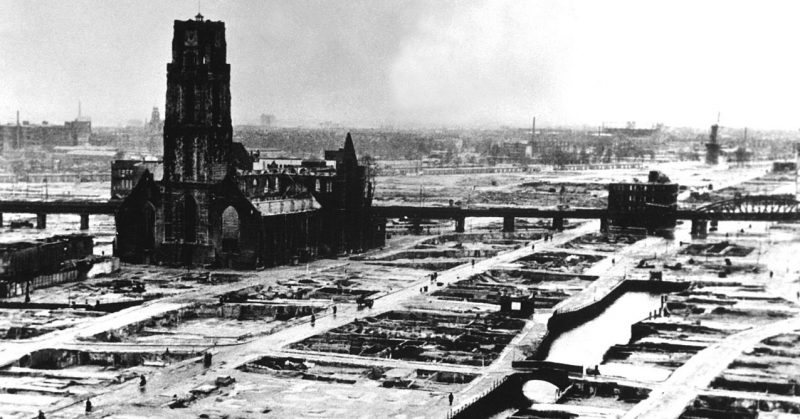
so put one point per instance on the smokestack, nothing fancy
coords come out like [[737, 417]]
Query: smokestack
[[712, 147]]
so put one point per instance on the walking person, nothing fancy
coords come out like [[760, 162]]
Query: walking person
[[88, 406], [450, 398]]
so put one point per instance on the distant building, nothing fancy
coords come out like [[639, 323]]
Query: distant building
[[267, 120], [83, 154], [135, 138], [211, 207], [713, 148], [28, 265], [155, 125], [516, 151], [630, 131], [125, 174], [650, 205], [784, 167], [22, 135]]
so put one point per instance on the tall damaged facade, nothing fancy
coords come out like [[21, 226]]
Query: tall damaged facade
[[211, 207], [652, 205]]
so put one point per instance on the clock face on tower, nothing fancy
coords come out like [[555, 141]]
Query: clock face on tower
[[191, 39]]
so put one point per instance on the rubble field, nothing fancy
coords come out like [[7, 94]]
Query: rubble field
[[420, 336], [602, 242], [564, 262], [449, 250], [546, 288], [359, 374]]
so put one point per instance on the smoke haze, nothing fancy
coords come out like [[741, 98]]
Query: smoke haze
[[444, 63]]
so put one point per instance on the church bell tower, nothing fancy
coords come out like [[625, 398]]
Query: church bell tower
[[197, 124]]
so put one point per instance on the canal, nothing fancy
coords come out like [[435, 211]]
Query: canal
[[587, 343]]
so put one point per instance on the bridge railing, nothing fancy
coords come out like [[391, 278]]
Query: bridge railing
[[474, 399], [39, 194]]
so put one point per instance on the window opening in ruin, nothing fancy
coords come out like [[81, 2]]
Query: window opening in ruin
[[149, 212], [189, 219], [230, 229]]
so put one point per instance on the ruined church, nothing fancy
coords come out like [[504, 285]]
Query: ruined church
[[212, 206]]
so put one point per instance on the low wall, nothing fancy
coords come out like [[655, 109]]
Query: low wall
[[107, 307], [472, 170], [565, 320], [57, 359], [498, 397], [599, 166]]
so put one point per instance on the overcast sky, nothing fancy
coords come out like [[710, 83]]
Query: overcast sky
[[436, 63]]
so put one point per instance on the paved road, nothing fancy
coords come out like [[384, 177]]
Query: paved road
[[670, 398]]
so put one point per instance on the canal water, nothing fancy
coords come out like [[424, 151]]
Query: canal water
[[587, 343]]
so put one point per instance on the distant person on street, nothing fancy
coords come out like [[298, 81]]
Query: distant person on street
[[450, 398], [88, 406]]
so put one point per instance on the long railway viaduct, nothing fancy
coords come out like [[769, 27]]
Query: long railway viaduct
[[744, 208]]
